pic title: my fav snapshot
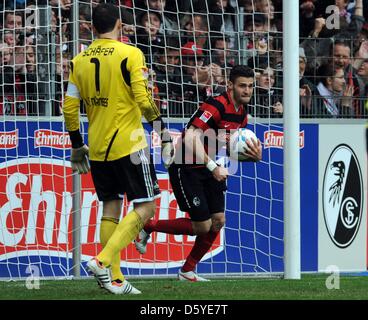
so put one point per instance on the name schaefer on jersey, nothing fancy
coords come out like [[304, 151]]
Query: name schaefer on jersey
[[98, 51]]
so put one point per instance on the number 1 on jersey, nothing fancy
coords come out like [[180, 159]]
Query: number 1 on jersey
[[96, 62]]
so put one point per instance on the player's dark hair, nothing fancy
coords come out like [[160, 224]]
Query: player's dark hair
[[241, 71], [104, 17]]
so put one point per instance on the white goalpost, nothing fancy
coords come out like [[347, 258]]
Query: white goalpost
[[291, 146], [50, 217]]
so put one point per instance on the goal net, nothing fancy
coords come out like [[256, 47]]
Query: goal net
[[190, 47]]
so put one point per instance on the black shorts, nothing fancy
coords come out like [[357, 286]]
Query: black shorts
[[197, 191], [114, 178]]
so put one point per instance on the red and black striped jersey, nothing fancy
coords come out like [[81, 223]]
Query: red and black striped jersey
[[219, 113], [214, 114]]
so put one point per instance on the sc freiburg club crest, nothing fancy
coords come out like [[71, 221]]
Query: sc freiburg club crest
[[342, 196]]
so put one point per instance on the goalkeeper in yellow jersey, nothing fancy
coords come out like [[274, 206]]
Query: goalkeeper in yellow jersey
[[111, 79]]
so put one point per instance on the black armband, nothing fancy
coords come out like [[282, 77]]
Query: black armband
[[159, 126], [165, 136], [76, 139]]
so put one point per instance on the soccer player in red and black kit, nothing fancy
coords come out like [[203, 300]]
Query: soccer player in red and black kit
[[199, 187]]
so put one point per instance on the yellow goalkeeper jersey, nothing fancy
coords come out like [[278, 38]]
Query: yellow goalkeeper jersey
[[111, 78]]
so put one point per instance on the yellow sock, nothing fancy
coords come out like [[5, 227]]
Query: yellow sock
[[124, 234], [108, 226]]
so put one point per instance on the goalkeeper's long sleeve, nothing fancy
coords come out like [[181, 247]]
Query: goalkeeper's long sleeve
[[144, 100], [71, 113], [71, 116], [139, 85]]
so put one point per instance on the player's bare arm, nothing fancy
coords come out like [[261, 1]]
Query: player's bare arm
[[194, 144]]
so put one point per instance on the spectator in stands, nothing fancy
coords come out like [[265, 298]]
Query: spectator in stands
[[12, 83], [66, 5], [248, 6], [257, 43], [54, 21], [66, 64], [9, 38], [341, 55], [307, 88], [221, 54], [167, 68], [268, 9], [169, 18], [149, 40], [31, 80], [307, 17], [196, 30], [363, 79], [30, 59], [169, 24], [354, 20], [360, 55], [256, 23], [19, 61], [5, 80], [206, 81], [223, 18], [128, 28], [158, 5], [342, 5], [192, 58], [5, 54], [13, 21], [335, 95], [337, 50], [85, 26], [30, 39], [320, 38], [361, 68], [62, 67], [361, 37], [199, 80], [186, 27], [215, 84], [267, 102], [6, 71], [192, 62], [54, 3], [204, 17]]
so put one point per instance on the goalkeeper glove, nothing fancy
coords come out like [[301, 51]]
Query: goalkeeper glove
[[79, 159]]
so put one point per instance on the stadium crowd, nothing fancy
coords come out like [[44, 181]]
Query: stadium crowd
[[190, 46]]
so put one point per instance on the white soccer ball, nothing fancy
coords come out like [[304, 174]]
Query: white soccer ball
[[238, 143]]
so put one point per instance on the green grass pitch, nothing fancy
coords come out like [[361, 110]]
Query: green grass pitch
[[310, 287]]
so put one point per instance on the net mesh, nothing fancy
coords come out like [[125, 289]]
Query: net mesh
[[189, 47]]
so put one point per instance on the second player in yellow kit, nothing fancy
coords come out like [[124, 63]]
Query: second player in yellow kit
[[111, 79]]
